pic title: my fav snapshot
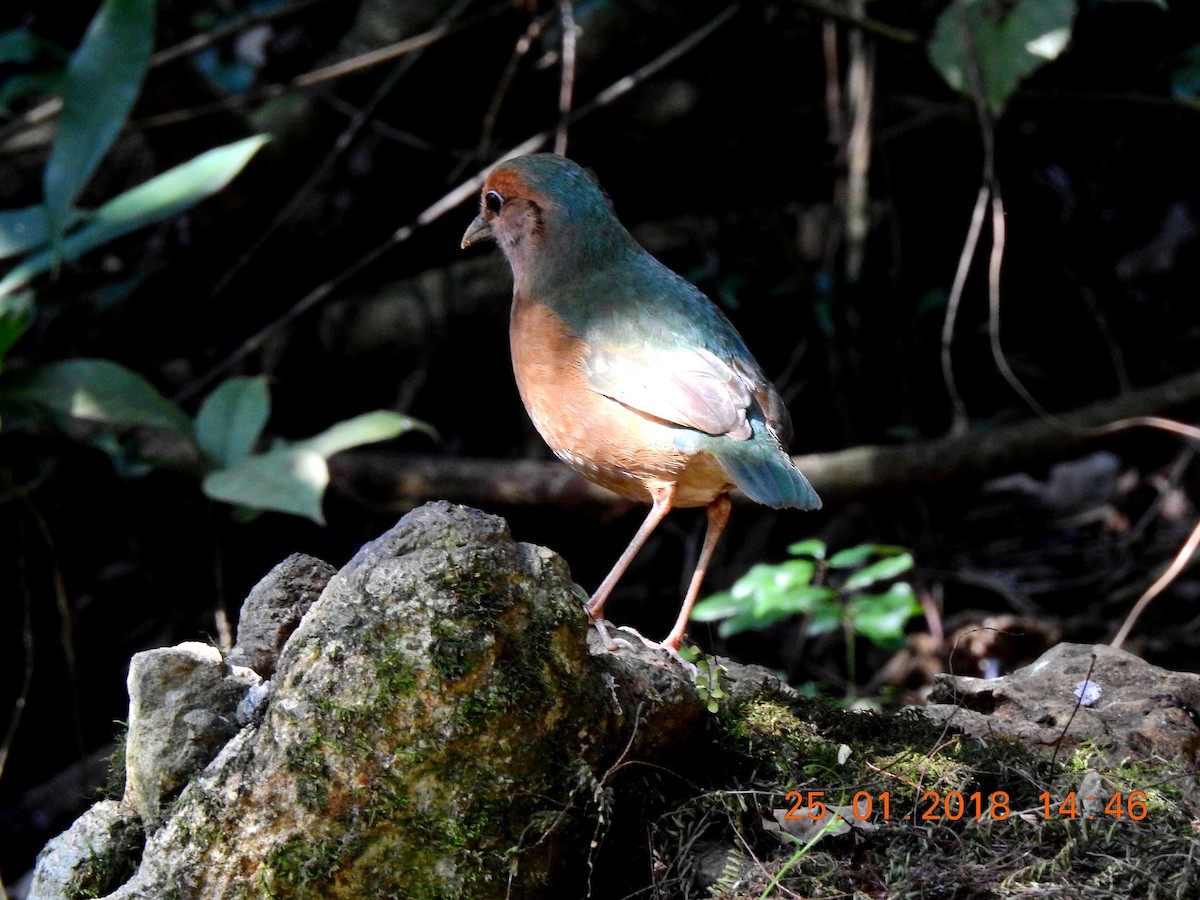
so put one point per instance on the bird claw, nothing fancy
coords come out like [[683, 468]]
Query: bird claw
[[602, 629], [612, 644], [656, 645]]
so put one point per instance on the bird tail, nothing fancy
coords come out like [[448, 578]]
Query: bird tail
[[764, 471]]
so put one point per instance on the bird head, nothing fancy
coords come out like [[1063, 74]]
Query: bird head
[[549, 217]]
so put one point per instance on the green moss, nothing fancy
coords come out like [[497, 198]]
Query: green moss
[[457, 651], [101, 873], [393, 847], [196, 814], [445, 824], [1003, 843], [308, 764], [479, 591], [114, 785], [394, 674]]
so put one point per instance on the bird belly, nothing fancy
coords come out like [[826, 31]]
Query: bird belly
[[617, 447]]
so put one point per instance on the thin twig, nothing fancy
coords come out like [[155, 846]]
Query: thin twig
[[613, 92], [987, 186], [1058, 743], [520, 50], [343, 142], [27, 645], [566, 85], [995, 262], [391, 51], [44, 112], [1191, 432], [834, 114], [1163, 487], [384, 130], [1178, 564], [862, 22], [1115, 354], [960, 419], [215, 35], [860, 81], [325, 74], [452, 199]]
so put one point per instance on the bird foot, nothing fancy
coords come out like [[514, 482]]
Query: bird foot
[[657, 645], [612, 644], [602, 630]]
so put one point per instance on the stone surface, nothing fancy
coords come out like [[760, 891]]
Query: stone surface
[[91, 857], [273, 610], [436, 728], [182, 710], [1130, 707]]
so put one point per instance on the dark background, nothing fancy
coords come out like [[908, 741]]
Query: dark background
[[724, 165]]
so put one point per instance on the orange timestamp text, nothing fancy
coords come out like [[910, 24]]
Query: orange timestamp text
[[933, 806]]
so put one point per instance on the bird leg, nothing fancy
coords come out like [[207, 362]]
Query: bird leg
[[718, 518], [662, 498]]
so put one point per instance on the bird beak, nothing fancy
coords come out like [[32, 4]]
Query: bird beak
[[478, 230]]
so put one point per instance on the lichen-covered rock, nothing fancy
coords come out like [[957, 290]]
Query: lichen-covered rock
[[436, 728], [1075, 693], [273, 610], [91, 857], [182, 710]]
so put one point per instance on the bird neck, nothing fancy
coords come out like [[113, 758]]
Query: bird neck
[[573, 248]]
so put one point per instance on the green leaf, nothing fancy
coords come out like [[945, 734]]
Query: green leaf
[[293, 478], [808, 601], [718, 606], [290, 480], [742, 622], [794, 574], [97, 390], [1006, 43], [852, 556], [16, 312], [819, 603], [162, 196], [179, 188], [22, 229], [368, 428], [825, 617], [17, 88], [812, 547], [856, 556], [888, 567], [231, 419], [758, 578], [882, 617], [102, 81], [17, 45], [26, 229]]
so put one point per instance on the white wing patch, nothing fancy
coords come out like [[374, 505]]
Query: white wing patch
[[687, 387]]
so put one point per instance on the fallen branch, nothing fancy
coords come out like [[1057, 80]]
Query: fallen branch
[[388, 481]]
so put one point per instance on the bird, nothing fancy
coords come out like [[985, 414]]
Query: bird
[[632, 376]]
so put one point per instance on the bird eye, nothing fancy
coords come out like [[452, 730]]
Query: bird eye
[[493, 201]]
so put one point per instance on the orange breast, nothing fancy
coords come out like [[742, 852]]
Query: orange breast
[[605, 441]]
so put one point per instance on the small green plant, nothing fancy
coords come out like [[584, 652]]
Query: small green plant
[[854, 589], [707, 677]]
